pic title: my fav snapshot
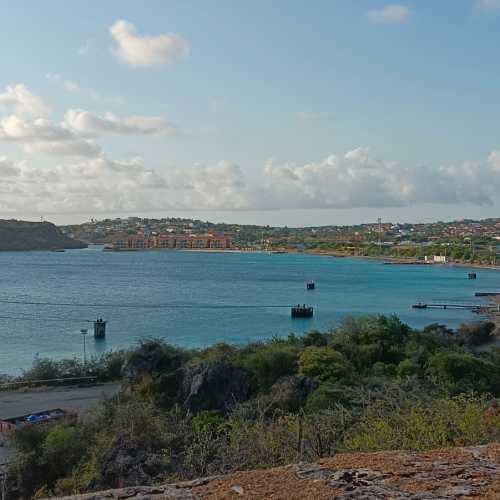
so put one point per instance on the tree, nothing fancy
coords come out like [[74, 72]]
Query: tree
[[324, 363], [461, 372], [271, 361]]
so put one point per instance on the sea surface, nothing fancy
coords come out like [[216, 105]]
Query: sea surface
[[204, 287]]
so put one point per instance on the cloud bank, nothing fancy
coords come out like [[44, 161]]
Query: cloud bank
[[74, 135], [354, 179], [43, 136]]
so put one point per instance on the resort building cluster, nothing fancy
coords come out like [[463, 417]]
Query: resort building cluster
[[170, 241]]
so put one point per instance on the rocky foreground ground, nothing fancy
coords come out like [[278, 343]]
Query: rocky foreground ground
[[466, 473]]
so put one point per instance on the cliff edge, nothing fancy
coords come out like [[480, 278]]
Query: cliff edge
[[22, 235]]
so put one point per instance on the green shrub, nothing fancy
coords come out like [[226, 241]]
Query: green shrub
[[324, 363], [268, 362], [460, 372], [458, 421], [326, 396]]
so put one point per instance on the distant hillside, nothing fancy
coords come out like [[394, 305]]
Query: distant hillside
[[21, 235]]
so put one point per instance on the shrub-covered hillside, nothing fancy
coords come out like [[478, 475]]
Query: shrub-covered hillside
[[371, 384]]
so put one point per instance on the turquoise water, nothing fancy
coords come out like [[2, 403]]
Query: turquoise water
[[344, 287]]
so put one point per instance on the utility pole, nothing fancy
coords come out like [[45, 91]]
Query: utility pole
[[84, 332], [379, 220]]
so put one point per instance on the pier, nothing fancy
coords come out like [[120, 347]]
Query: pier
[[450, 305]]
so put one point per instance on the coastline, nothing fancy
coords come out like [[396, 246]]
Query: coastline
[[399, 260], [332, 253]]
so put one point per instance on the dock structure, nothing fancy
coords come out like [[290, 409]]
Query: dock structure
[[302, 311], [99, 328], [450, 305], [487, 294]]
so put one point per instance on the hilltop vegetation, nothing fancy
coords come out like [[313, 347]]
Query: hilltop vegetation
[[21, 235], [460, 241], [371, 384]]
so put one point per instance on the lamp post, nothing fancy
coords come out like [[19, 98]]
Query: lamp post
[[84, 332]]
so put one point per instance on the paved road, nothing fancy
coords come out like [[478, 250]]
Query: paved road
[[15, 403], [80, 399]]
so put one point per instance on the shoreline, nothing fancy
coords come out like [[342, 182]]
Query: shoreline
[[400, 260], [389, 259]]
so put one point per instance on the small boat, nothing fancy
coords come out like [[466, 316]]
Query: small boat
[[419, 305], [311, 285], [58, 250], [472, 276], [302, 311]]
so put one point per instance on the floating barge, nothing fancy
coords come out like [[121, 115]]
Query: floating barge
[[302, 311], [472, 276], [310, 285]]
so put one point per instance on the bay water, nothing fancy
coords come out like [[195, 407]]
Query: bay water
[[195, 299]]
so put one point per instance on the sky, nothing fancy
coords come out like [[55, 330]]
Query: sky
[[284, 113]]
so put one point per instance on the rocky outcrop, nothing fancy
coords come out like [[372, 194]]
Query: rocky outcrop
[[21, 235], [291, 393], [128, 464], [214, 386], [151, 358], [454, 473]]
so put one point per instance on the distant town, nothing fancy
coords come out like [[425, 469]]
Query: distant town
[[459, 240]]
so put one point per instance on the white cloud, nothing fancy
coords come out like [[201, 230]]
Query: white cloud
[[489, 4], [75, 88], [358, 180], [146, 50], [41, 135], [103, 185], [390, 14], [20, 100], [354, 179], [89, 123]]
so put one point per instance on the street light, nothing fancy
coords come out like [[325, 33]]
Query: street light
[[84, 332]]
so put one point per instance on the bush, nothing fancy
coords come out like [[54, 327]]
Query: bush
[[324, 363], [460, 372], [45, 454], [269, 362], [328, 395], [419, 426]]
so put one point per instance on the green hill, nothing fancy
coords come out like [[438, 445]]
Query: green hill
[[22, 235]]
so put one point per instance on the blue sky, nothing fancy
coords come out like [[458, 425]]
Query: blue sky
[[283, 112]]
